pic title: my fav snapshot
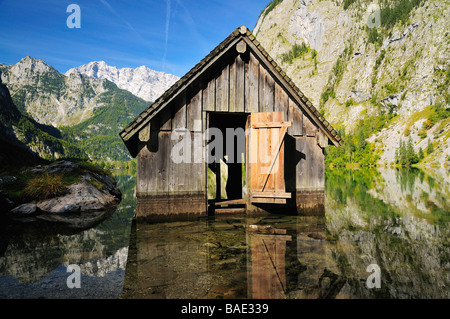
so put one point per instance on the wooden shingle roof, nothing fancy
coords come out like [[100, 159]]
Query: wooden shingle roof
[[241, 33]]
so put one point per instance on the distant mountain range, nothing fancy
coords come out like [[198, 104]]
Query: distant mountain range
[[83, 108], [142, 81], [379, 87]]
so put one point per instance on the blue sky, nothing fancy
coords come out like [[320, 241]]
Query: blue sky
[[165, 35]]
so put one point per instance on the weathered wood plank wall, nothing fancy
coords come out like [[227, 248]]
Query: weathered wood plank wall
[[239, 84]]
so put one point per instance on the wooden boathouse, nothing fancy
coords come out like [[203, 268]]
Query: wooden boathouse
[[238, 87]]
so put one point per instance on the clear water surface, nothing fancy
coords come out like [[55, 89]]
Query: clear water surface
[[395, 219]]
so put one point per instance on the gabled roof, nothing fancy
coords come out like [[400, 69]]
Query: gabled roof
[[241, 33]]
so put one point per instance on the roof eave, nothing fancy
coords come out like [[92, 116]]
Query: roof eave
[[242, 32]]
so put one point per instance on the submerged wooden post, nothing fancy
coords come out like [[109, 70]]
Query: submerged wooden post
[[218, 182]]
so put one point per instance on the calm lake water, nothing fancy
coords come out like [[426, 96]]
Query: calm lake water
[[395, 219]]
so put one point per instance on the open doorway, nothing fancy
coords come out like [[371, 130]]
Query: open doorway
[[226, 166]]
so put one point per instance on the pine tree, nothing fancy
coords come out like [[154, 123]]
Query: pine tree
[[430, 147], [421, 154], [402, 153], [361, 140], [410, 153]]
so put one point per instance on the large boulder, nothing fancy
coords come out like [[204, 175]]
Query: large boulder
[[87, 201], [80, 197]]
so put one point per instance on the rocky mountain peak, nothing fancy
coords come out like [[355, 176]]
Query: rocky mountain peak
[[33, 65], [94, 69], [47, 95], [27, 71], [86, 106], [143, 82]]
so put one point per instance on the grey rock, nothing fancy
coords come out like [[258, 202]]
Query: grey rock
[[81, 197], [308, 26], [360, 96], [405, 33], [25, 210], [7, 179], [81, 205], [6, 204], [71, 208], [392, 100], [61, 166]]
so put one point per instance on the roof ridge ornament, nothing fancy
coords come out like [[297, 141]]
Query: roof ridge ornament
[[243, 29]]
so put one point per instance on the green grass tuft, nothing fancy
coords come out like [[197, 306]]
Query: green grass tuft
[[45, 186]]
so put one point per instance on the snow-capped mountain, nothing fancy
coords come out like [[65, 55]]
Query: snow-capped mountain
[[142, 81], [78, 106]]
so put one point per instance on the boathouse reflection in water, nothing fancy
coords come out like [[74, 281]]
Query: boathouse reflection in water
[[245, 257], [266, 262], [398, 219]]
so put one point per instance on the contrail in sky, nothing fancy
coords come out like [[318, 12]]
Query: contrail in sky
[[192, 26], [106, 4], [111, 9], [167, 33]]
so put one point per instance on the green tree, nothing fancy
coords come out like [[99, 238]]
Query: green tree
[[430, 147], [361, 140], [411, 155], [403, 160], [296, 51], [421, 154]]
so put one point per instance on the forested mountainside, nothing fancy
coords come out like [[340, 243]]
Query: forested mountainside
[[383, 80], [82, 110], [99, 135], [25, 142]]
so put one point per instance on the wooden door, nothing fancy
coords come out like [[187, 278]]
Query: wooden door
[[265, 157]]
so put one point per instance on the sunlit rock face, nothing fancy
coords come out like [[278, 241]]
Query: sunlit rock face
[[143, 82], [404, 73], [50, 97], [68, 99]]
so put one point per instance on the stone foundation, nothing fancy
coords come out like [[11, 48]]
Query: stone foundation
[[310, 202], [188, 206], [170, 207]]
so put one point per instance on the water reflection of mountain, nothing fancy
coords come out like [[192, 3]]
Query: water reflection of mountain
[[306, 257], [31, 256], [397, 219]]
